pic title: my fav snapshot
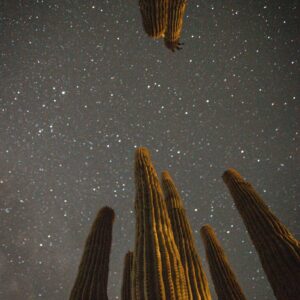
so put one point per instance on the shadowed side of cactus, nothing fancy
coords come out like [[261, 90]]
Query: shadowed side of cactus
[[154, 17], [157, 270], [127, 284], [278, 250], [176, 10], [196, 278], [225, 282], [92, 277]]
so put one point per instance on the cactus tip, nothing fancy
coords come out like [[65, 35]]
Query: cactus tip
[[231, 174]]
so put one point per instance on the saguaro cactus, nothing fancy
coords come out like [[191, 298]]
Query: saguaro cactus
[[225, 282], [157, 270], [127, 275], [197, 282], [154, 17], [176, 9], [163, 19], [278, 250], [91, 281]]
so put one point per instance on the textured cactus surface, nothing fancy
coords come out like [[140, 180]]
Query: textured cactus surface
[[127, 282], [157, 270], [91, 281], [196, 279], [225, 282], [278, 250], [176, 10], [154, 17], [163, 19]]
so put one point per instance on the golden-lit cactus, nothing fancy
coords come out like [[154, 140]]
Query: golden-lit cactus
[[163, 19], [91, 281], [197, 282], [225, 282], [278, 250], [176, 10], [154, 17], [157, 270]]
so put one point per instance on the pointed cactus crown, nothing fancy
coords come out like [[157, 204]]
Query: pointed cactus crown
[[172, 196]]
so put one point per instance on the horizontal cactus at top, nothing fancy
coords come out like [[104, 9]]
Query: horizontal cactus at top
[[154, 17], [196, 279], [278, 250], [176, 10], [163, 19], [92, 277], [157, 270]]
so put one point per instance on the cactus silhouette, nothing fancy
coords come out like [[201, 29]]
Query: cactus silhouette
[[278, 250], [157, 270], [127, 283], [196, 278], [225, 282], [91, 281]]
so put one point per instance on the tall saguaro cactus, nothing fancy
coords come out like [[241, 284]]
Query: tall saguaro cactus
[[225, 282], [91, 281], [278, 250], [157, 270], [127, 275], [197, 282]]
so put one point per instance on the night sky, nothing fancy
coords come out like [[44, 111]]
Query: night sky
[[82, 85]]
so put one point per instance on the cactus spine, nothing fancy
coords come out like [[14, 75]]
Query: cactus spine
[[127, 284], [225, 282], [196, 278], [278, 250], [157, 270], [91, 281]]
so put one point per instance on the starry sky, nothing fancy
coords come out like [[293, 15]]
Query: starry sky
[[81, 86]]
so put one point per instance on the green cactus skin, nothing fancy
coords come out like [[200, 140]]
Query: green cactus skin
[[92, 277], [278, 250], [157, 270], [197, 282], [225, 282], [127, 275]]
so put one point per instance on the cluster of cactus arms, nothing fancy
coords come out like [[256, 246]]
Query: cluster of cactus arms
[[165, 264]]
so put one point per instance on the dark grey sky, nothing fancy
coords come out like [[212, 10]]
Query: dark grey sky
[[81, 86]]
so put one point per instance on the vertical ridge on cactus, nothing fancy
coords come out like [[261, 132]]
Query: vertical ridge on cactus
[[176, 10], [154, 17], [127, 275], [197, 282], [224, 280], [92, 277], [278, 250], [157, 270]]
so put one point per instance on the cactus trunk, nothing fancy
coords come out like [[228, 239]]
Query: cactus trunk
[[157, 270], [127, 275], [225, 282], [92, 277], [278, 250], [196, 279], [176, 10]]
